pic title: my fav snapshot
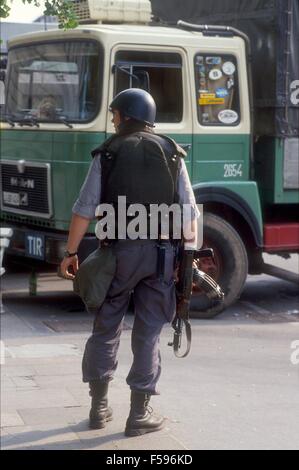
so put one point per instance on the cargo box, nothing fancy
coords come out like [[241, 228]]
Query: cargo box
[[273, 30]]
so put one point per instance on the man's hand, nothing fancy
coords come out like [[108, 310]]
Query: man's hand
[[69, 263]]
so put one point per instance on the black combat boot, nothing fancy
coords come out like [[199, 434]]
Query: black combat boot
[[141, 419], [99, 413]]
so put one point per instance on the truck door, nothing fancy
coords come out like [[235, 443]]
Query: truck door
[[163, 72], [221, 141]]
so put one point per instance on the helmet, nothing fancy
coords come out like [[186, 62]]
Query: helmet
[[137, 104]]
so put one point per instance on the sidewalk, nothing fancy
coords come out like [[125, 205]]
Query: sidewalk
[[45, 405]]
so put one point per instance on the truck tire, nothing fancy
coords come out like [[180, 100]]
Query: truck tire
[[230, 268]]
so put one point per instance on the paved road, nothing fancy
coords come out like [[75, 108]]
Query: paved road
[[238, 389]]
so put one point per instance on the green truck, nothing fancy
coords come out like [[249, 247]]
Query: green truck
[[221, 96]]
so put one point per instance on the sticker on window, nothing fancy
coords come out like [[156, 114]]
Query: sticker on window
[[229, 68], [222, 92], [205, 94], [199, 60], [211, 101], [228, 116], [215, 74], [205, 118], [217, 85], [230, 83], [213, 60]]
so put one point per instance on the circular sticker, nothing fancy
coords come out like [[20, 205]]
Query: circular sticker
[[215, 74], [229, 68], [228, 116]]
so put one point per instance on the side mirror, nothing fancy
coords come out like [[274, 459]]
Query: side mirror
[[144, 80], [139, 78]]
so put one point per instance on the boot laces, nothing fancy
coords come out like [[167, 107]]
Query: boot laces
[[147, 407]]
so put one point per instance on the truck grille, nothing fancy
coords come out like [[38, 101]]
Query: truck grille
[[25, 188]]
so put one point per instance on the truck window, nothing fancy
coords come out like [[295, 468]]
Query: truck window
[[217, 90], [161, 71], [54, 81]]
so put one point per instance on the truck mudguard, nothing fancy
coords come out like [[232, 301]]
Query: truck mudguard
[[206, 194]]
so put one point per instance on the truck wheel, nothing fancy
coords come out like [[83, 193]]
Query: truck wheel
[[229, 268]]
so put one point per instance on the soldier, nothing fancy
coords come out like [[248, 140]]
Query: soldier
[[161, 178]]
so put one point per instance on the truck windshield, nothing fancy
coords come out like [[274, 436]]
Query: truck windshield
[[54, 82]]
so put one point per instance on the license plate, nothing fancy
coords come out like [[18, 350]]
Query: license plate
[[35, 245], [23, 199], [13, 199]]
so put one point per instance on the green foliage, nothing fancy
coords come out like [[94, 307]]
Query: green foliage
[[63, 9], [4, 9]]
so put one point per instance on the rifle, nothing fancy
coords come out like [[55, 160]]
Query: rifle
[[189, 274]]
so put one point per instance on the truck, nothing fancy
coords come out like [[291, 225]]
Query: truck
[[225, 79]]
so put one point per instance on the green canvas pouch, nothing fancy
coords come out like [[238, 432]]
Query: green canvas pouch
[[95, 275]]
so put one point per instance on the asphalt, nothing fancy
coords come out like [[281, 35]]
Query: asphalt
[[238, 388]]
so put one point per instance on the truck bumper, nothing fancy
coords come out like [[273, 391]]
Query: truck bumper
[[281, 237], [44, 245]]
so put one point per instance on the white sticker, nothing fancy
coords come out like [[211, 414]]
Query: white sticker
[[215, 74], [230, 83], [228, 68], [228, 116], [205, 117]]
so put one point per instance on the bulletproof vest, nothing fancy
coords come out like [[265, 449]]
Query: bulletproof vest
[[141, 166]]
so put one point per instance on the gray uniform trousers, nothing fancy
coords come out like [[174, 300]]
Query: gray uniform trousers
[[154, 301]]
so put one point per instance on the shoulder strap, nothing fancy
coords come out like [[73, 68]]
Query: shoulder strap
[[177, 149], [113, 142]]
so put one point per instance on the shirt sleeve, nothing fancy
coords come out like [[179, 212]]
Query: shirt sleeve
[[185, 191], [90, 193]]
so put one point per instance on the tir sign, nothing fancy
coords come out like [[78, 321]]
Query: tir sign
[[35, 245]]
